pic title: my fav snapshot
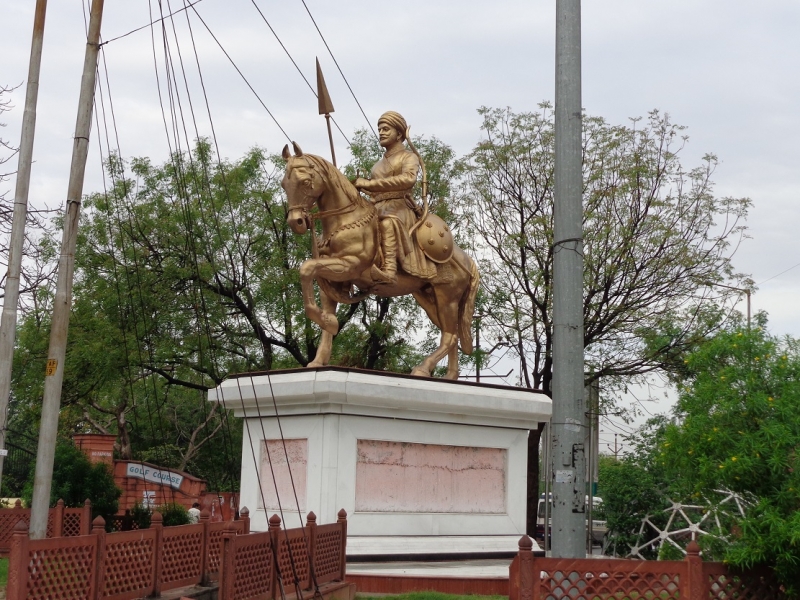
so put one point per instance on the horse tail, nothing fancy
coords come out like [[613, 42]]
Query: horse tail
[[467, 309]]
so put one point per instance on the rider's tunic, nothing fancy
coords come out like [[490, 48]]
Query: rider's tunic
[[391, 184]]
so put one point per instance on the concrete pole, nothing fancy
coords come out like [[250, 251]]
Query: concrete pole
[[568, 459], [8, 324], [54, 374]]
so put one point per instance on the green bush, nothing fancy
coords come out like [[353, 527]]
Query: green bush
[[75, 479], [173, 514], [141, 515]]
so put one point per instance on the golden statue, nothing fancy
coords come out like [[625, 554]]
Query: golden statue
[[386, 246]]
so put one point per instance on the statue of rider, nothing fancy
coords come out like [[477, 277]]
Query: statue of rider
[[390, 186]]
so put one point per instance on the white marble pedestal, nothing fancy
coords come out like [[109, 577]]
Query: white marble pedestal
[[422, 466]]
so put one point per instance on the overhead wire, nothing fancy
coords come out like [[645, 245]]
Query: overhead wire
[[228, 199], [239, 71], [139, 351], [324, 41], [291, 58]]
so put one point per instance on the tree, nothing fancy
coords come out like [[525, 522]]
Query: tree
[[738, 428], [75, 479], [655, 240], [37, 266]]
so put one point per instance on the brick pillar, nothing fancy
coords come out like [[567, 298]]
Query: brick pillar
[[99, 530], [695, 586], [58, 519], [157, 523], [342, 520], [520, 572], [17, 587], [86, 517], [204, 545], [245, 516], [311, 531], [227, 570]]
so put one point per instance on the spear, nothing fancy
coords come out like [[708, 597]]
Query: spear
[[325, 106]]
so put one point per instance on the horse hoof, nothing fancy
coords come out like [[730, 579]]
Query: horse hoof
[[314, 364], [420, 372]]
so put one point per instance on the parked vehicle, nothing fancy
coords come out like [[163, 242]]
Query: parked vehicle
[[599, 528]]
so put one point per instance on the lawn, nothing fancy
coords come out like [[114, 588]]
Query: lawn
[[3, 572]]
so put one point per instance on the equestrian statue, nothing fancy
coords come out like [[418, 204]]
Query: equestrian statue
[[383, 245]]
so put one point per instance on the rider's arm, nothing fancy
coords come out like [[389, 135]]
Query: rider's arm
[[404, 180]]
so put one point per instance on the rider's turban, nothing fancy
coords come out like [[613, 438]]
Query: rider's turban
[[395, 120]]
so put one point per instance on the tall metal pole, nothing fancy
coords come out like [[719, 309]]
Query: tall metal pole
[[8, 324], [568, 460], [54, 374]]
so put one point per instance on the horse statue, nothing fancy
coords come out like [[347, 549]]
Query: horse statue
[[350, 246]]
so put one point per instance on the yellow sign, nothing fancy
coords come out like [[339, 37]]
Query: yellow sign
[[50, 369]]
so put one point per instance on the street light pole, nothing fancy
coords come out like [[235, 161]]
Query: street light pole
[[568, 459], [737, 289]]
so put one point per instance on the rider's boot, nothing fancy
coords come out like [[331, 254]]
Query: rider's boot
[[389, 272]]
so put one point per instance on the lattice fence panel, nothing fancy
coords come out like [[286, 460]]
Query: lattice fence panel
[[129, 564], [8, 520], [253, 565], [65, 572], [181, 555], [297, 545], [723, 586], [602, 584], [327, 559], [72, 523]]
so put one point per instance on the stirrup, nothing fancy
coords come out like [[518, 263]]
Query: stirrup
[[382, 276]]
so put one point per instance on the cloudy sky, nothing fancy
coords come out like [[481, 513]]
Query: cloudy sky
[[726, 69]]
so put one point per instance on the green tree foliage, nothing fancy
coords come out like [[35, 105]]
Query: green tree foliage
[[738, 428], [630, 493], [655, 237], [75, 479]]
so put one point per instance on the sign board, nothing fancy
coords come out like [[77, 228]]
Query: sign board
[[3, 452], [153, 474]]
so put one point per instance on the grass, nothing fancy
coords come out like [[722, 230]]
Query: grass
[[429, 596], [3, 572]]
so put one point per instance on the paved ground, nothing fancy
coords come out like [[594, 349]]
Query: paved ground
[[490, 567]]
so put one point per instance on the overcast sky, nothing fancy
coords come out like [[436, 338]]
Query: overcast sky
[[726, 69]]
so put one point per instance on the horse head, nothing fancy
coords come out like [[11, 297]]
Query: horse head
[[303, 186]]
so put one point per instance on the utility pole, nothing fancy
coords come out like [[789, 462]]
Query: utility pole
[[8, 324], [591, 443], [568, 459], [54, 373], [616, 448]]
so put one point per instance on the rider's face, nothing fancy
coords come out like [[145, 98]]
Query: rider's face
[[388, 135]]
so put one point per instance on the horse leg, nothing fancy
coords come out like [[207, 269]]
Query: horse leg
[[452, 363], [323, 356], [335, 269], [446, 311]]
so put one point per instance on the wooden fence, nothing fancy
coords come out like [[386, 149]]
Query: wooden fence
[[135, 564], [532, 578], [61, 522]]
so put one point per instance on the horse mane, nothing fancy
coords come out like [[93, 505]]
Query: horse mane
[[337, 179]]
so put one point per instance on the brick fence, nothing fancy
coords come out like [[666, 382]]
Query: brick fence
[[532, 578], [135, 564], [61, 522]]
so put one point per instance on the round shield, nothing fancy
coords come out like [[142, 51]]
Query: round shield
[[435, 239]]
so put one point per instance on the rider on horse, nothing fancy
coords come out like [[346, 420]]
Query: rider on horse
[[390, 186]]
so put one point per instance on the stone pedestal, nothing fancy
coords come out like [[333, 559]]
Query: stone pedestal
[[422, 466]]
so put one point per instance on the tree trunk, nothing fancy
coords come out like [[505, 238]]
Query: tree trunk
[[534, 437]]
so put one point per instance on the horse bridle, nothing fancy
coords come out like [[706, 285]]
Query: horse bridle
[[310, 218]]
